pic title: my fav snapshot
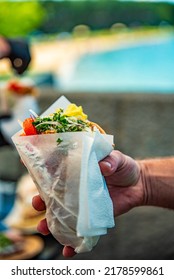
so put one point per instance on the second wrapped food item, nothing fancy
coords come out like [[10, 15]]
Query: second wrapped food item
[[61, 150]]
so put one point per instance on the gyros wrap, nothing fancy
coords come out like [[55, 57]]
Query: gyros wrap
[[64, 167]]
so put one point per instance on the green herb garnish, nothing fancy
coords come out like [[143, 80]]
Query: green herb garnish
[[4, 241], [58, 122], [59, 140]]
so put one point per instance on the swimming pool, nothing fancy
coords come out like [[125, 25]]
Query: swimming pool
[[145, 67]]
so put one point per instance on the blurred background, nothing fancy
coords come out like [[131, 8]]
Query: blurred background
[[116, 59]]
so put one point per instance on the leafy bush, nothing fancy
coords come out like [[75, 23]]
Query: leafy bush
[[19, 19]]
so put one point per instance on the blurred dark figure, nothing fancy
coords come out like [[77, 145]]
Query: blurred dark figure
[[3, 141], [18, 52]]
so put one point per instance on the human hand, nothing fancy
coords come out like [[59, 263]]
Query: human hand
[[122, 175]]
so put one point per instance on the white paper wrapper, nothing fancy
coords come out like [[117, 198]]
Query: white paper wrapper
[[68, 178]]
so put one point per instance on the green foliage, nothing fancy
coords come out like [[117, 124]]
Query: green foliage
[[101, 14], [51, 17], [20, 18]]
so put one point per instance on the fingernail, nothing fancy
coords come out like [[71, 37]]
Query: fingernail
[[107, 163]]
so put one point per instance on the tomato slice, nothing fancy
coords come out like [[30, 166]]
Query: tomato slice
[[14, 86], [28, 127]]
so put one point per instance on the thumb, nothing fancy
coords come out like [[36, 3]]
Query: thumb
[[108, 166]]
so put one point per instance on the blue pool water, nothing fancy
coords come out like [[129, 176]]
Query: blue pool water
[[147, 67]]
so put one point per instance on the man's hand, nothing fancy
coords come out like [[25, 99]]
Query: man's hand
[[122, 175]]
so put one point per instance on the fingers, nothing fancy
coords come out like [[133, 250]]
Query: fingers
[[38, 203], [120, 169], [43, 227], [68, 252]]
